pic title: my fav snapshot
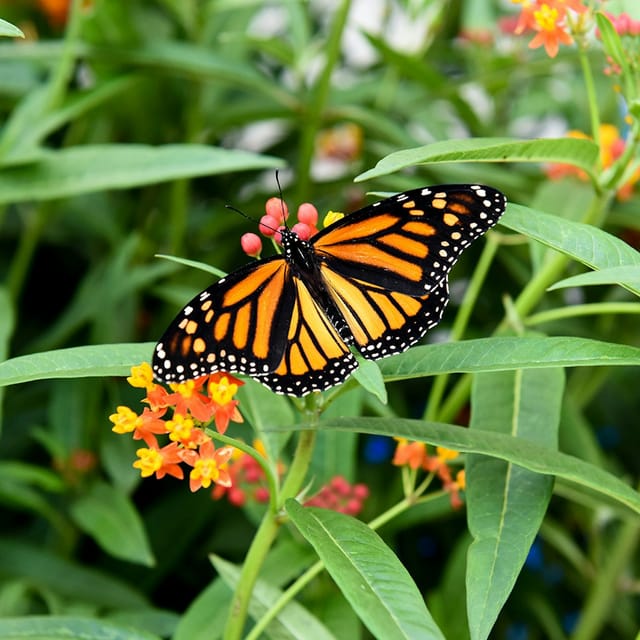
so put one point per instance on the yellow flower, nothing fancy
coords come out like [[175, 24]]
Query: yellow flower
[[125, 421], [332, 217], [149, 461], [142, 377], [222, 391], [179, 428], [446, 454]]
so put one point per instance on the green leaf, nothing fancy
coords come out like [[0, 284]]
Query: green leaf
[[294, 621], [521, 452], [10, 30], [627, 276], [482, 354], [612, 44], [7, 322], [504, 354], [370, 576], [76, 362], [589, 245], [87, 168], [68, 628], [506, 504], [193, 263], [81, 584], [206, 616], [370, 378], [579, 153], [109, 516]]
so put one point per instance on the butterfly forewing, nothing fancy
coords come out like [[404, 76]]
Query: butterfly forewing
[[409, 242], [378, 281], [235, 325]]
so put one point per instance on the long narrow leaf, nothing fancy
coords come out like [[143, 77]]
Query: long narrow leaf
[[58, 174], [579, 153], [521, 452], [111, 519], [506, 503], [367, 572], [627, 276], [483, 354], [67, 627], [293, 622]]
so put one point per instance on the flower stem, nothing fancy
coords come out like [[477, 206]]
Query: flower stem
[[266, 534], [311, 118], [462, 318]]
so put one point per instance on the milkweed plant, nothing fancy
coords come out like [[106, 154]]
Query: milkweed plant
[[483, 483]]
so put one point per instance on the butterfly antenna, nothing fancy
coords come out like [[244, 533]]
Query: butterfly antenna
[[284, 217], [242, 213]]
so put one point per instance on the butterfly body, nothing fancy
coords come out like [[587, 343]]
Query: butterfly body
[[375, 281]]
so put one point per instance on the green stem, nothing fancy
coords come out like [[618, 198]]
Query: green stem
[[266, 534], [525, 303], [256, 555], [317, 100], [602, 596], [34, 223], [269, 472], [592, 95], [462, 319], [573, 311]]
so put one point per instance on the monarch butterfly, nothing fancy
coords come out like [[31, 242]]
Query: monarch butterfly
[[375, 281]]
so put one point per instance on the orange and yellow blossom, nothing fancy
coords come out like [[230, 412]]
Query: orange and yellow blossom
[[222, 388], [142, 377], [209, 465], [549, 19], [143, 426], [551, 31], [159, 461], [612, 146], [412, 454], [187, 398], [182, 430]]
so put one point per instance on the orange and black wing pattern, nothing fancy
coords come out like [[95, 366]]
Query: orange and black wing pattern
[[261, 321], [375, 281], [386, 266]]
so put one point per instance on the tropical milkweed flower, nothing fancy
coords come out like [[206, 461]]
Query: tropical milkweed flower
[[612, 145], [180, 415], [416, 456], [551, 20]]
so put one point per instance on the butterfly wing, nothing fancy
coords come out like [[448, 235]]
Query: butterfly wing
[[261, 321], [316, 357], [386, 266]]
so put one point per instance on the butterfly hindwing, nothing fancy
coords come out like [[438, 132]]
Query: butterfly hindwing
[[315, 357]]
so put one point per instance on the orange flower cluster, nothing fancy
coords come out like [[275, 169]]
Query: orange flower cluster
[[416, 456], [549, 20], [181, 415], [612, 146]]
